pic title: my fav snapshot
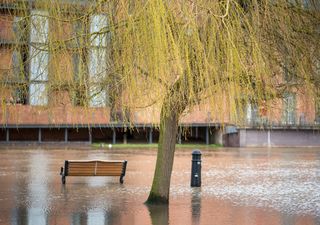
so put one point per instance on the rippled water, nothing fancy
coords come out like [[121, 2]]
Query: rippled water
[[239, 186]]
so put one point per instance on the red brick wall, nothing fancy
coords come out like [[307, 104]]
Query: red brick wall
[[6, 31], [25, 114], [61, 110]]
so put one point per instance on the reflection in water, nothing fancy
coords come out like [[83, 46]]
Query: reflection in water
[[93, 217], [243, 187], [97, 181], [37, 216], [159, 214], [96, 217], [19, 216], [38, 190], [196, 205], [287, 220], [79, 218]]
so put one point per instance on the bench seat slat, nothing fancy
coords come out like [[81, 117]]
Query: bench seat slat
[[104, 171], [92, 171], [93, 174], [111, 169], [103, 168], [97, 175], [80, 166], [93, 168]]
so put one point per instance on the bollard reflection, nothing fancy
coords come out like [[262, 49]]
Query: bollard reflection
[[196, 205]]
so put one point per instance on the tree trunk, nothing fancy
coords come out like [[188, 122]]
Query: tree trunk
[[166, 147], [172, 108]]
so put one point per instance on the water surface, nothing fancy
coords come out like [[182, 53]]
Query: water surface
[[239, 186]]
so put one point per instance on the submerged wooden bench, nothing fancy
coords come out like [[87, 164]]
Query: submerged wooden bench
[[93, 168]]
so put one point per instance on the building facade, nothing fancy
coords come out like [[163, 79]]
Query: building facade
[[54, 87]]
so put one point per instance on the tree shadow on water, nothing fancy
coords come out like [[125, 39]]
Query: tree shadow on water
[[159, 214]]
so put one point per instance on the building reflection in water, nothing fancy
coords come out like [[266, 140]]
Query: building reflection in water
[[79, 218], [37, 216], [97, 217], [93, 217], [19, 215], [32, 194], [38, 192]]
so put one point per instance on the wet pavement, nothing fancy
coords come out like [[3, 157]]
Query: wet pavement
[[239, 186]]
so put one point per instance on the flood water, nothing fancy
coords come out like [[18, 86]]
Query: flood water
[[239, 187]]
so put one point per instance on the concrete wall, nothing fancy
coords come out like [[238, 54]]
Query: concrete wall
[[279, 138], [217, 136], [231, 140]]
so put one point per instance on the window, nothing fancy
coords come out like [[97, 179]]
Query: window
[[19, 92], [79, 60], [18, 82], [252, 114], [290, 74], [19, 29], [289, 108], [39, 58], [306, 4], [97, 60]]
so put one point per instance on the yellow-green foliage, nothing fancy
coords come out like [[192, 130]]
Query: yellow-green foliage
[[227, 52]]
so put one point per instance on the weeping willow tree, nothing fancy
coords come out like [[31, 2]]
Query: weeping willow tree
[[171, 55]]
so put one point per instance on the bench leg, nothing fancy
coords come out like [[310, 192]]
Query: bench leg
[[121, 179], [63, 177]]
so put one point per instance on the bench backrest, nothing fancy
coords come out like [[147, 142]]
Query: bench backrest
[[94, 168]]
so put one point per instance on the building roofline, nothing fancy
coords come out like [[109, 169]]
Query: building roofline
[[106, 125]]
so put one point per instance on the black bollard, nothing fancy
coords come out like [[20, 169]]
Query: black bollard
[[196, 169]]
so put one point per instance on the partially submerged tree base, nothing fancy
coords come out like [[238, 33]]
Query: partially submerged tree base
[[159, 193], [155, 199]]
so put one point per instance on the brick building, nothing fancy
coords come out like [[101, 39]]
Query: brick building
[[51, 77]]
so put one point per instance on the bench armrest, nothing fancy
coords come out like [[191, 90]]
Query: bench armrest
[[124, 168]]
